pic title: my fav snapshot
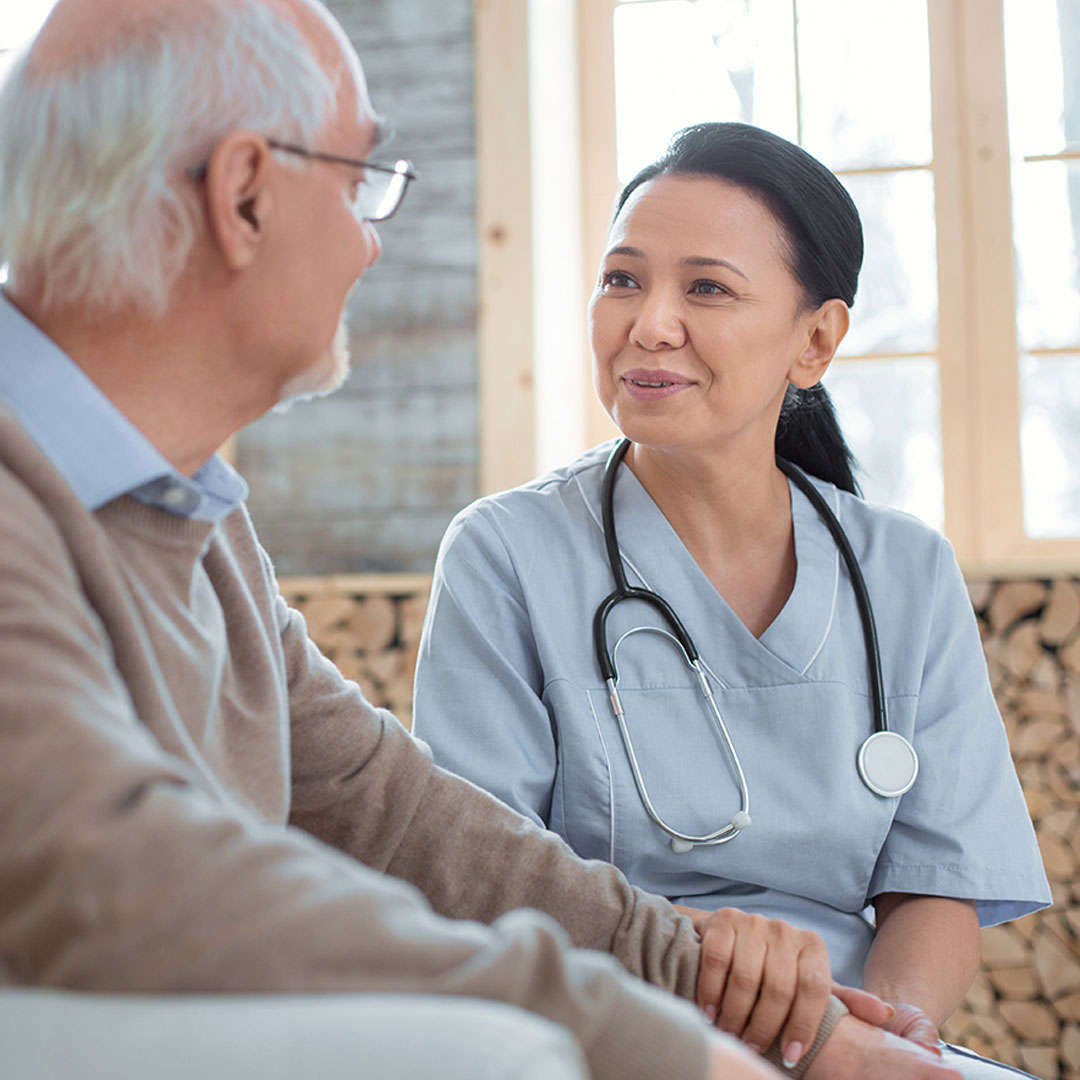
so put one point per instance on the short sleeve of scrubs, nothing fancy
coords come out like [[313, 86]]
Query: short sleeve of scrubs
[[964, 829], [477, 698]]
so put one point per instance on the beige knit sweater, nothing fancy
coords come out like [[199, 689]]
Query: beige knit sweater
[[188, 790]]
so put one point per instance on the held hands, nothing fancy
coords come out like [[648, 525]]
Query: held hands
[[760, 978], [856, 1050]]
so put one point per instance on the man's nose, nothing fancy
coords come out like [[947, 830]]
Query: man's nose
[[658, 324], [374, 245]]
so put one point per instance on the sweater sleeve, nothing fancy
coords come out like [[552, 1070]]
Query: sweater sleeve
[[471, 855], [122, 869]]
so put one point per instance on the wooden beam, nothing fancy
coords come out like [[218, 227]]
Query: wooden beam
[[504, 193]]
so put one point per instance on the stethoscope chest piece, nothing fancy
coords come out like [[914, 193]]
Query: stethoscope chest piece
[[888, 764]]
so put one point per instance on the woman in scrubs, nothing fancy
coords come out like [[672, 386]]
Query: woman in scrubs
[[725, 290]]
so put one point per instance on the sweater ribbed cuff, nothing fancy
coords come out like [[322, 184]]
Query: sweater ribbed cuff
[[774, 1055]]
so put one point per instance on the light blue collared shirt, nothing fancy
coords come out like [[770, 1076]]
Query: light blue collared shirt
[[89, 441]]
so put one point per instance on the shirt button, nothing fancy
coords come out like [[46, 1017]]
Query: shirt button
[[175, 496]]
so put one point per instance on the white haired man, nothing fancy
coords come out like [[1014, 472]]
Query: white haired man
[[192, 799]]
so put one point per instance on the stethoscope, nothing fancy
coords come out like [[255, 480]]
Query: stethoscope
[[886, 762]]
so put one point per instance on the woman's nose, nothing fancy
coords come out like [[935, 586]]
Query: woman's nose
[[658, 324]]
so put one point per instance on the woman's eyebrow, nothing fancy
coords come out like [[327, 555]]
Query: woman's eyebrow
[[690, 260], [704, 260]]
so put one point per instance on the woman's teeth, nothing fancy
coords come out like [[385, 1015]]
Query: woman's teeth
[[642, 382]]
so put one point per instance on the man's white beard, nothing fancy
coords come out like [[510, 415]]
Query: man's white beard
[[323, 377]]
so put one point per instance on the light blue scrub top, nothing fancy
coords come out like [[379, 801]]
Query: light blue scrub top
[[508, 694]]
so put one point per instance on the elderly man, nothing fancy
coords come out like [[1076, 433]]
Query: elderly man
[[191, 797]]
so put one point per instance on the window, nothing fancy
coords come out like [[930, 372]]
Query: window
[[956, 128], [955, 124]]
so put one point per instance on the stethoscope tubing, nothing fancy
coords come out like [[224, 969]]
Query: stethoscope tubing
[[868, 770], [858, 583]]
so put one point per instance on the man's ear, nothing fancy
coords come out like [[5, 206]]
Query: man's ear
[[826, 328], [238, 197]]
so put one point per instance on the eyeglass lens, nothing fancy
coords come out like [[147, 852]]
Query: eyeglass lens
[[378, 195]]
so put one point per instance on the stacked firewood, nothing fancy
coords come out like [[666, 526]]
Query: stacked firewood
[[1024, 1007], [370, 627]]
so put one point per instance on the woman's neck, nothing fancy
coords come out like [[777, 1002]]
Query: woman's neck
[[732, 511]]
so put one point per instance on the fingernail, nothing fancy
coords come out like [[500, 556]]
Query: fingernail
[[710, 1013], [754, 1048], [892, 1012], [792, 1053]]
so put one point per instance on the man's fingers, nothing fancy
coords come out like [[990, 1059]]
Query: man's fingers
[[914, 1025]]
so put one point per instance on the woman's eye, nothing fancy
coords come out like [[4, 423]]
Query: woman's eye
[[616, 279], [708, 288]]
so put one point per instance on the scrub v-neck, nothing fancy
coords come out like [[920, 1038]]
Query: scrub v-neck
[[656, 553]]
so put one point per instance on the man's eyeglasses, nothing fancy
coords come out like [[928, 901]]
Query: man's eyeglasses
[[378, 193]]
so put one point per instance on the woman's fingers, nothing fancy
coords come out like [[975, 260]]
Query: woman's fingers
[[746, 975], [761, 977], [811, 999], [717, 946], [863, 1005]]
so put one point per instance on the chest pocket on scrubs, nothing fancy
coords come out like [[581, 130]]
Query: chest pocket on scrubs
[[816, 830]]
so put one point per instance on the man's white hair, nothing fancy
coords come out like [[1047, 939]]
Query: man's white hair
[[98, 203]]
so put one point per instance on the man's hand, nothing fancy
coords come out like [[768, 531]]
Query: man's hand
[[856, 1050], [760, 977], [728, 1060], [910, 1022]]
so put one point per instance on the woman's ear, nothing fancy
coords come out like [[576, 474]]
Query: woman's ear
[[238, 197], [825, 328]]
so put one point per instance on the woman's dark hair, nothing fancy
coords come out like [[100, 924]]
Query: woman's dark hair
[[825, 245]]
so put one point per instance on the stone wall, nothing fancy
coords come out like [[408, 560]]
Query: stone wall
[[1024, 1007]]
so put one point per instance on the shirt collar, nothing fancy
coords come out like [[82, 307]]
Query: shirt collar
[[89, 441]]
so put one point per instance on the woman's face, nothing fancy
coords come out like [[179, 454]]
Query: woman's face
[[696, 323]]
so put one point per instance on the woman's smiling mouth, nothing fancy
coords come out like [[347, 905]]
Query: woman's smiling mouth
[[648, 385]]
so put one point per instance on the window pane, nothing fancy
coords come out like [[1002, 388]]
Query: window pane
[[1050, 444], [890, 413], [679, 62], [1046, 229], [896, 305], [1042, 57], [864, 70]]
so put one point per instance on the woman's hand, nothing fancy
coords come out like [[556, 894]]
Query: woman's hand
[[760, 978], [924, 955]]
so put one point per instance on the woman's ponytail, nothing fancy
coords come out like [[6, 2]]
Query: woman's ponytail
[[808, 435]]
